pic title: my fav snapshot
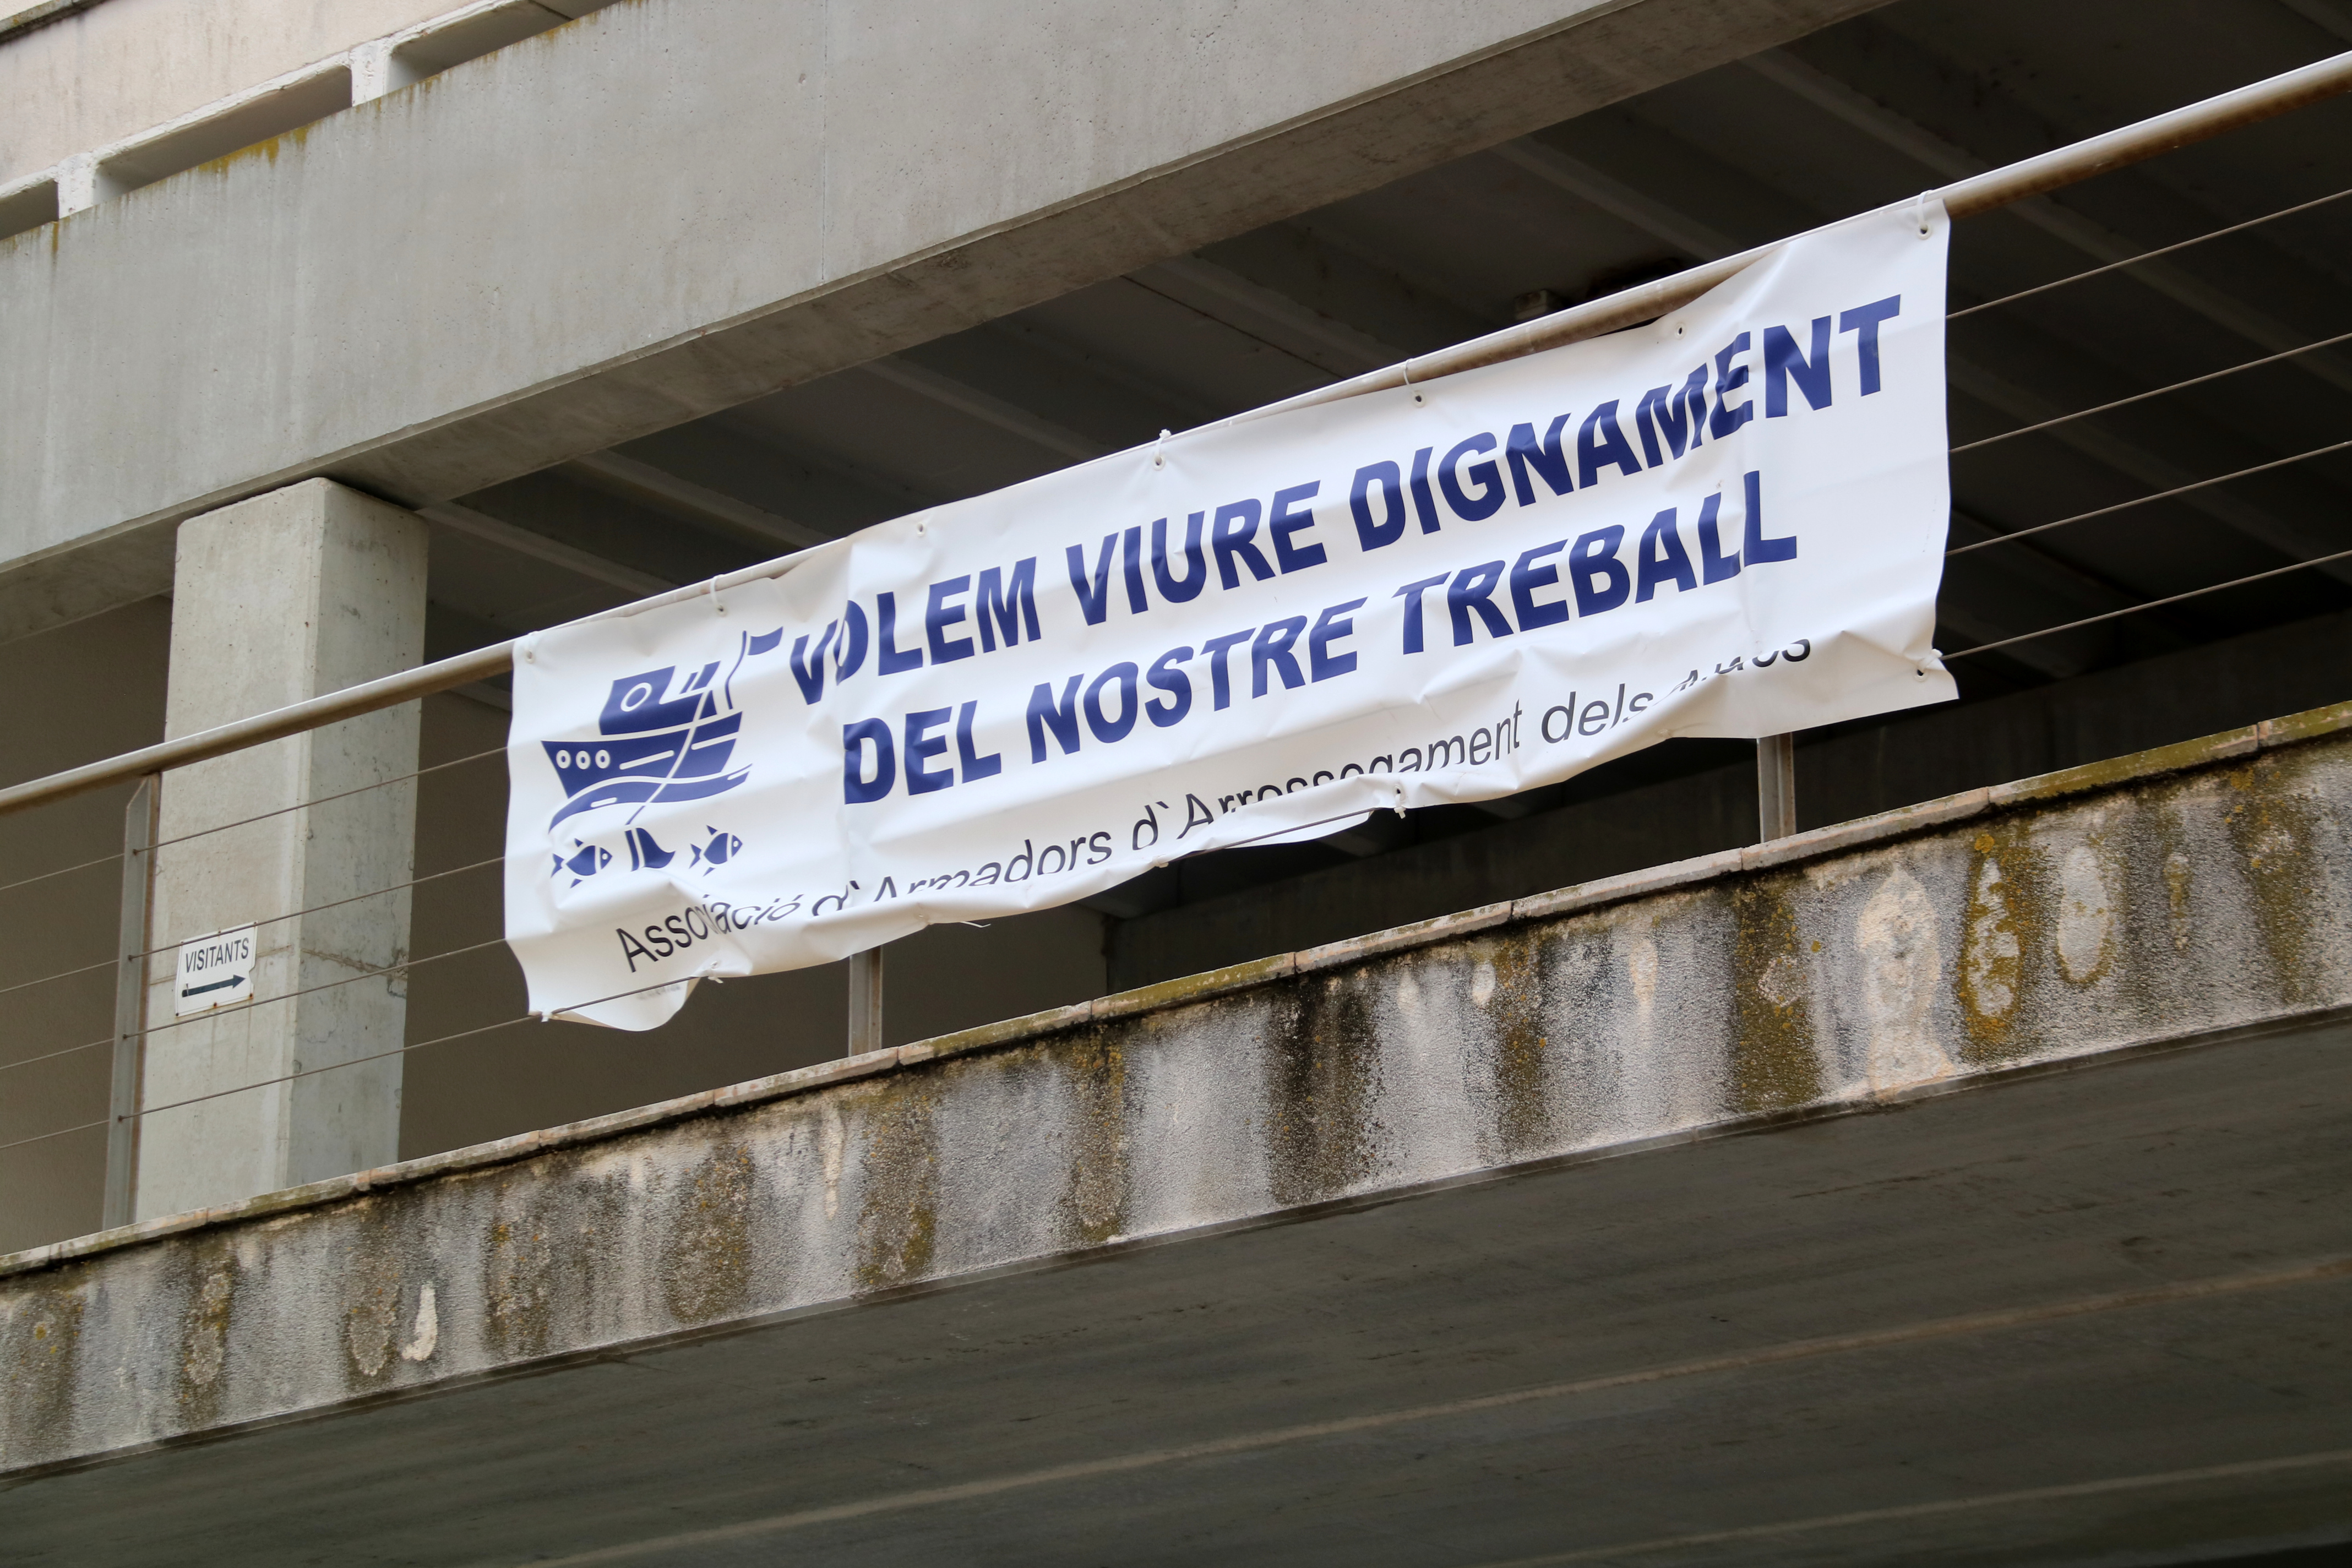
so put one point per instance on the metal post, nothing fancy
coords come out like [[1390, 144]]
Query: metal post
[[866, 1001], [1776, 787], [130, 1000]]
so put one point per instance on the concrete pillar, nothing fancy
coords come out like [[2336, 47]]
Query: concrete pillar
[[275, 599]]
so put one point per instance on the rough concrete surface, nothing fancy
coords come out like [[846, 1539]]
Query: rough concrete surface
[[278, 599], [430, 292], [2178, 893], [164, 58], [2072, 1319]]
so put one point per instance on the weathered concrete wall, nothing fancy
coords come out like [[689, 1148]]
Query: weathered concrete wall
[[116, 68], [1607, 827], [2154, 899], [675, 206]]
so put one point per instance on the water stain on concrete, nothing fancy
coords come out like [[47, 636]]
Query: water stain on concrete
[[897, 1221], [518, 1269], [1903, 965], [2086, 906], [1988, 976], [2277, 822], [1642, 971], [1094, 1196], [44, 1346], [705, 1237], [368, 1275], [208, 1292], [1322, 1077], [1773, 1063], [1508, 968], [833, 1145], [2003, 928]]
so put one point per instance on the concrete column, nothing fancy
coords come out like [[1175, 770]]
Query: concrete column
[[865, 1002], [275, 599], [1776, 787]]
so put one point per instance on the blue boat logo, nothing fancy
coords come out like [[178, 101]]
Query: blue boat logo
[[662, 738]]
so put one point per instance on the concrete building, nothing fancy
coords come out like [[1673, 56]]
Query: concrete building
[[1958, 1179]]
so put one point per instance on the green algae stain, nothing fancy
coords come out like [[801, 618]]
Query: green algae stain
[[1093, 1197], [1323, 1077], [1773, 1064], [2005, 942], [1507, 985], [42, 1359], [209, 1283], [706, 1246], [897, 1222], [2276, 827]]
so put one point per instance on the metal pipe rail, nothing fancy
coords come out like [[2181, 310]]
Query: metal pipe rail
[[1979, 193]]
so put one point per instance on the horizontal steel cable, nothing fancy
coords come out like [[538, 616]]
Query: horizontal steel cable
[[307, 1072], [335, 904], [329, 984], [52, 1056], [169, 946], [314, 909], [45, 1137], [2151, 605], [2148, 255], [77, 866], [110, 859], [2143, 501], [340, 794], [287, 997], [2144, 397], [333, 1067], [64, 975]]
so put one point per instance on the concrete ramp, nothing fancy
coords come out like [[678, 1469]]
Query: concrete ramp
[[1963, 1186]]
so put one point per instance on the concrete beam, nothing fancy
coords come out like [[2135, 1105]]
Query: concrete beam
[[1910, 959], [375, 301]]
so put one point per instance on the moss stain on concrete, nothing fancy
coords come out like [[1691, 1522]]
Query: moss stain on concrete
[[706, 1238], [368, 1275], [519, 1271], [1322, 1077], [1774, 1066], [2276, 825], [897, 1222], [1094, 1193], [2167, 833], [208, 1292], [2004, 940], [1509, 971], [44, 1359]]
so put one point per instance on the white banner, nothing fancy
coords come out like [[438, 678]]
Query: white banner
[[1730, 522]]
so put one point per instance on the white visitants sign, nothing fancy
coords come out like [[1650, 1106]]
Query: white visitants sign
[[1729, 523], [214, 971]]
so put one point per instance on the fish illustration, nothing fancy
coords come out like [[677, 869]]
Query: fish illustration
[[586, 863], [720, 848]]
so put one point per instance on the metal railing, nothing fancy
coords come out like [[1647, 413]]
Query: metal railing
[[1984, 192]]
